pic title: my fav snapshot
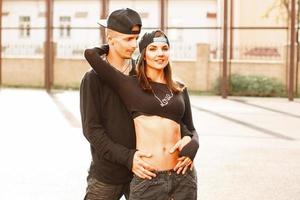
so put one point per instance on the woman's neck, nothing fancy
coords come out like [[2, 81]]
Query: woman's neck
[[156, 75]]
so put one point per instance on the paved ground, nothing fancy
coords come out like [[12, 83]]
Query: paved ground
[[249, 149]]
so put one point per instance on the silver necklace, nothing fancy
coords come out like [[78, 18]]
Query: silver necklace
[[127, 65], [163, 102]]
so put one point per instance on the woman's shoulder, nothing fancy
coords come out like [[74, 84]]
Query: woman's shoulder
[[180, 83]]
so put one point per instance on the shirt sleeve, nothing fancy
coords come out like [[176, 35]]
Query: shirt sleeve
[[184, 131], [191, 148], [93, 129], [105, 71]]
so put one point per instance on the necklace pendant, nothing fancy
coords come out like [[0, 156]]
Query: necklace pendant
[[162, 104]]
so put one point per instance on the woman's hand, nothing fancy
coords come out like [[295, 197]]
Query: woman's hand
[[183, 162], [180, 144]]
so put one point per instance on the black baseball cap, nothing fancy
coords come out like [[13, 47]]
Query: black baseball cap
[[150, 37], [122, 21]]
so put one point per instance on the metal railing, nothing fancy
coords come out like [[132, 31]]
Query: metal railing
[[227, 52], [255, 52]]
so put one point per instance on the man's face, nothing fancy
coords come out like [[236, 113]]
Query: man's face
[[123, 44]]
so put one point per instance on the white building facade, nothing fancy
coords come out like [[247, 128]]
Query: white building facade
[[188, 22], [75, 26]]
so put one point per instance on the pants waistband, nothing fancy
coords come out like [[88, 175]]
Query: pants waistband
[[162, 172], [171, 172]]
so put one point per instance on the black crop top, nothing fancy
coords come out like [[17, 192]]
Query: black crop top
[[136, 100], [163, 103]]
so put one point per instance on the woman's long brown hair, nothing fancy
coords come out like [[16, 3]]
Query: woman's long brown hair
[[145, 81]]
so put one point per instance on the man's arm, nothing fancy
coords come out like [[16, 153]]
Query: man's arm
[[96, 134], [92, 127]]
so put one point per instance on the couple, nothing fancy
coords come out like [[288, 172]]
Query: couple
[[136, 118]]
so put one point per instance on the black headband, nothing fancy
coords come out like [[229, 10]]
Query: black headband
[[148, 38]]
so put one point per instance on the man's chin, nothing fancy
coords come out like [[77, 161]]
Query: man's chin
[[127, 56]]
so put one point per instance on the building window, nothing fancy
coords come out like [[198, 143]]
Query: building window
[[24, 24], [65, 26], [81, 14], [5, 13], [211, 15]]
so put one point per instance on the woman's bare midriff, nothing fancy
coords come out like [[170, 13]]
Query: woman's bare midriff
[[156, 135]]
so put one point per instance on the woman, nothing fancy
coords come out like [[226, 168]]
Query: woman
[[158, 105]]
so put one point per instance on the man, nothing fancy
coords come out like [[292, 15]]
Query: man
[[106, 123]]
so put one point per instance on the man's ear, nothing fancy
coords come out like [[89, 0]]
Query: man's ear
[[109, 39]]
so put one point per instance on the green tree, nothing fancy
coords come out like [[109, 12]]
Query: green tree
[[283, 7]]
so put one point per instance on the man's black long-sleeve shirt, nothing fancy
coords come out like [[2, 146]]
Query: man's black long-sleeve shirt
[[109, 129]]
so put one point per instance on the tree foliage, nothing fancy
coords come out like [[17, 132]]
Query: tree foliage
[[283, 7]]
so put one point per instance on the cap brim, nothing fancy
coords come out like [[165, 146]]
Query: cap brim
[[102, 22]]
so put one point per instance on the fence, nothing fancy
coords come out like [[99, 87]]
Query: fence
[[248, 38]]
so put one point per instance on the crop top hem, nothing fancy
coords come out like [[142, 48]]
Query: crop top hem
[[136, 114]]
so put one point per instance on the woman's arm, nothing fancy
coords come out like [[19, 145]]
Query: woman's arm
[[185, 131], [107, 73], [191, 148]]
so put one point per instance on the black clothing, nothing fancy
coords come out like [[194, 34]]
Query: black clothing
[[166, 185], [109, 129], [97, 190], [162, 103]]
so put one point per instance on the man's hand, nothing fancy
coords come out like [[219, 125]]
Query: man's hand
[[140, 167], [183, 162]]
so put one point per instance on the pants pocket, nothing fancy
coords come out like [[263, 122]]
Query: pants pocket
[[145, 189], [191, 177]]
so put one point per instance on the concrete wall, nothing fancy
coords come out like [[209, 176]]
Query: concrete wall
[[201, 74], [268, 69], [197, 75], [69, 72], [23, 72]]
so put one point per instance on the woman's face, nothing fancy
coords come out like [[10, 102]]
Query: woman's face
[[157, 55]]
